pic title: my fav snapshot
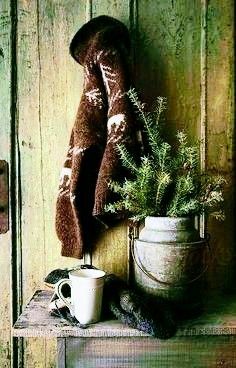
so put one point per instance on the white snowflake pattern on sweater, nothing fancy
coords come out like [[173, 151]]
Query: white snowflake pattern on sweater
[[94, 96], [115, 123], [108, 77]]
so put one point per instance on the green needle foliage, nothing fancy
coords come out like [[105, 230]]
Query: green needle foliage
[[168, 180]]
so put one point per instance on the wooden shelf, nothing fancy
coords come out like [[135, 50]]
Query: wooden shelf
[[35, 321]]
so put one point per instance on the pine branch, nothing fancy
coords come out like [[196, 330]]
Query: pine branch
[[167, 182], [182, 195], [163, 180], [127, 159], [132, 94], [151, 129], [163, 156], [161, 105]]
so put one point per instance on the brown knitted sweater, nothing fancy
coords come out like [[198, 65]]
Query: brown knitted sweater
[[103, 120]]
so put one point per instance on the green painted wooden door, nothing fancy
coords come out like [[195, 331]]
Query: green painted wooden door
[[181, 49]]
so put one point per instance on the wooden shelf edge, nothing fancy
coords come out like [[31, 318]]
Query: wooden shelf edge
[[35, 321]]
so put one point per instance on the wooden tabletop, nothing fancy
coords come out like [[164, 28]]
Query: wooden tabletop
[[35, 321]]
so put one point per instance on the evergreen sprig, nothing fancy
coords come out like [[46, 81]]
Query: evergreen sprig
[[168, 180]]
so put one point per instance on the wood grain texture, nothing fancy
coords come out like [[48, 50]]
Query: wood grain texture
[[50, 83], [4, 197], [5, 239], [61, 353], [61, 80], [60, 85], [190, 61], [168, 60], [220, 150], [195, 352], [218, 318], [33, 260], [110, 253], [118, 9], [47, 107]]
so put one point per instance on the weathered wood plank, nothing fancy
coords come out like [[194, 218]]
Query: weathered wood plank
[[110, 252], [30, 148], [59, 98], [168, 54], [5, 124], [61, 353], [47, 108], [118, 9], [4, 197], [196, 352], [194, 343], [35, 321], [219, 318], [50, 83], [168, 59], [33, 260], [65, 87], [220, 150], [60, 84]]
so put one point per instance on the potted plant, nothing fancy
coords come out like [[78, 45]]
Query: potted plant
[[168, 191]]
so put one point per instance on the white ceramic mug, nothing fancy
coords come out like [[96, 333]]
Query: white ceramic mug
[[86, 294]]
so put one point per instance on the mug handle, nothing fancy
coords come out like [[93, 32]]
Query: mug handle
[[58, 291]]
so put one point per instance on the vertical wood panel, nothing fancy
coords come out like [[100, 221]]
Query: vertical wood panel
[[168, 59], [30, 146], [5, 239], [221, 134], [61, 80], [181, 352], [50, 88], [110, 253], [171, 42], [167, 51], [33, 262], [118, 9]]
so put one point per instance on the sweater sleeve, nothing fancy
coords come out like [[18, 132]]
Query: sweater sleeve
[[121, 125]]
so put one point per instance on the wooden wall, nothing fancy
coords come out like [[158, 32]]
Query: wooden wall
[[5, 239], [181, 49]]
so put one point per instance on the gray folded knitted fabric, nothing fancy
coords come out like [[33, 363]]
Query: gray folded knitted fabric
[[152, 315]]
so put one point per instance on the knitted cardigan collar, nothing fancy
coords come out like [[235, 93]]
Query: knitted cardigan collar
[[104, 119]]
